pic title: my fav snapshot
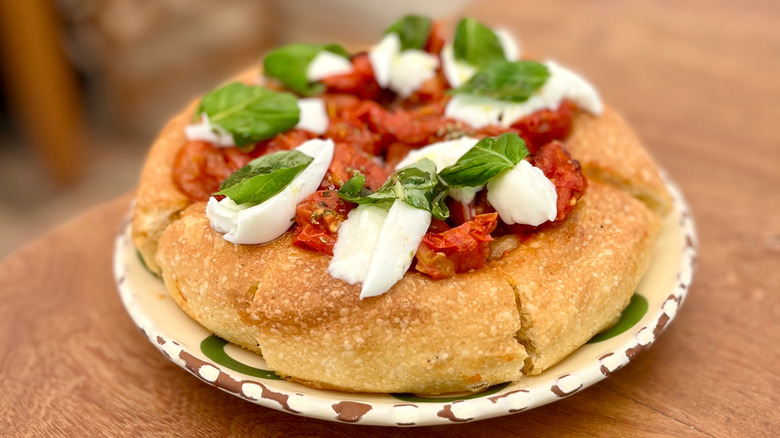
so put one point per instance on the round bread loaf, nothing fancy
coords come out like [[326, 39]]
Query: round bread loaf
[[535, 302]]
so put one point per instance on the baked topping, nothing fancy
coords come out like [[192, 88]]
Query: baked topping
[[481, 148], [256, 219]]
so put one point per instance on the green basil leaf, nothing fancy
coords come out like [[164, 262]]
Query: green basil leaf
[[249, 112], [489, 157], [476, 44], [416, 184], [504, 80], [288, 64], [354, 191], [412, 30], [264, 177]]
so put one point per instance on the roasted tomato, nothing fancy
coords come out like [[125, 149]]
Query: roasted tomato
[[360, 82], [564, 172], [349, 160], [318, 218], [460, 249], [283, 142], [436, 38], [545, 126], [199, 168]]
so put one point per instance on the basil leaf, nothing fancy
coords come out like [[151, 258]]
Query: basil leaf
[[288, 64], [489, 157], [504, 80], [416, 184], [476, 44], [249, 112], [412, 30], [264, 177]]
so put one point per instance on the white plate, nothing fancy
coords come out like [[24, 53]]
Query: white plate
[[243, 374]]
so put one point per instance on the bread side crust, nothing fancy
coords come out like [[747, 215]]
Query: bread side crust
[[610, 151], [551, 293], [574, 280], [158, 201], [421, 336]]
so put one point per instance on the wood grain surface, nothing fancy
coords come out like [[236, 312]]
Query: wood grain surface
[[699, 81]]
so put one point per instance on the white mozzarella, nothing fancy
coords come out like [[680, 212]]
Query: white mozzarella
[[523, 195], [327, 64], [313, 115], [410, 70], [381, 58], [357, 237], [205, 131], [465, 195], [509, 44], [562, 84], [403, 72], [398, 240], [444, 154], [268, 220], [458, 72], [474, 110]]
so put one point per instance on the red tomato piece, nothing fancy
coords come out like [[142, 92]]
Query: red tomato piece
[[318, 218], [545, 126], [460, 249], [360, 82], [199, 168], [565, 173], [349, 160]]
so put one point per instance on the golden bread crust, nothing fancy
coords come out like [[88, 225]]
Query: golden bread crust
[[574, 279], [609, 151], [314, 328], [552, 293]]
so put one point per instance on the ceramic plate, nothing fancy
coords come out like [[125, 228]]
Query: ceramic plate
[[244, 374]]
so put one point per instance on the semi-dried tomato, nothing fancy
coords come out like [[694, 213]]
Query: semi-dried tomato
[[200, 167], [349, 160], [318, 218], [565, 173], [460, 249]]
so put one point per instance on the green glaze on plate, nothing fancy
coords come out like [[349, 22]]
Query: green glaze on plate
[[408, 397], [214, 348], [631, 315]]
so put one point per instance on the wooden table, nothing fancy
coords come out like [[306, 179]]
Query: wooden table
[[699, 79]]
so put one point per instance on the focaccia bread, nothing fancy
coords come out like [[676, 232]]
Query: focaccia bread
[[540, 295]]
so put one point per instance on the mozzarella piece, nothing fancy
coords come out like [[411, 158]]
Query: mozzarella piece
[[401, 234], [444, 154], [458, 72], [381, 58], [327, 64], [403, 72], [313, 115], [562, 84], [356, 241], [523, 195], [205, 131], [455, 71], [261, 223], [508, 42], [475, 110], [376, 247]]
